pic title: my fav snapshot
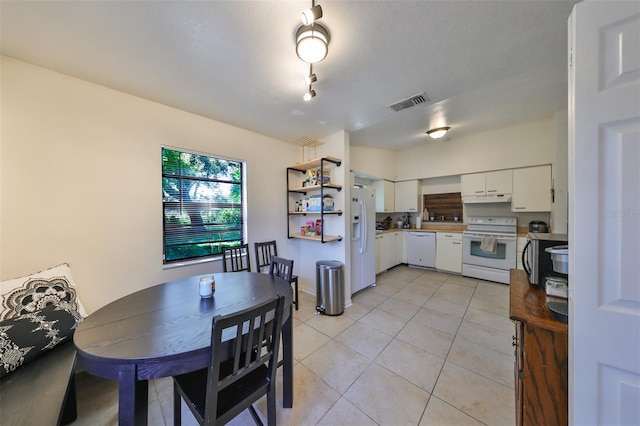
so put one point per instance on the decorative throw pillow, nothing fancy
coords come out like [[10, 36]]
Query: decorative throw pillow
[[53, 286], [26, 337]]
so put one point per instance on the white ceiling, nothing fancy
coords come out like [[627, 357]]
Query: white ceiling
[[482, 64]]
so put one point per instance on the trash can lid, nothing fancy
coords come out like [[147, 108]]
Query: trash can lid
[[333, 264]]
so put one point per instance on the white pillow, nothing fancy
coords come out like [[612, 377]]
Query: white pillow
[[33, 292]]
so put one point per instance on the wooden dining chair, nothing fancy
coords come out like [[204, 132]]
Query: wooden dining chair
[[236, 258], [281, 267], [264, 252], [230, 385]]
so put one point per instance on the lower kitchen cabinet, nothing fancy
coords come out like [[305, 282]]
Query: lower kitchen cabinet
[[389, 250], [378, 242], [449, 251], [541, 356]]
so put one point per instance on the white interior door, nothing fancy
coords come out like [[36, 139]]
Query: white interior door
[[604, 213]]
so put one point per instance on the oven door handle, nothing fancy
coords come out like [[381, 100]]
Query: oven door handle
[[498, 236]]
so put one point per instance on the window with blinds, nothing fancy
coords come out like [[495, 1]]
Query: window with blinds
[[202, 204]]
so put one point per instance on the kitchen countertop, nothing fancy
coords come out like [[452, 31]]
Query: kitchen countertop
[[528, 303], [430, 227]]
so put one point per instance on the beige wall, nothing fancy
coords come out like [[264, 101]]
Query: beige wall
[[373, 161], [526, 144], [80, 181]]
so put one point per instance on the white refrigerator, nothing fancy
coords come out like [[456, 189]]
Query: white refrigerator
[[363, 244]]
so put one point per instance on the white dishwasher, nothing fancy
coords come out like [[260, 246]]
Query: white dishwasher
[[421, 249]]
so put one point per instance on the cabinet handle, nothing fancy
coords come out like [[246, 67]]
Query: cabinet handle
[[492, 190], [479, 192], [519, 208], [457, 243]]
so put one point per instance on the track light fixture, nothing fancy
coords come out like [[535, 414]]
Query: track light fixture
[[438, 132], [309, 79], [312, 43], [309, 16], [309, 95]]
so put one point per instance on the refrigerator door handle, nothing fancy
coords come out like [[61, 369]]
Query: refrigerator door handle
[[363, 226]]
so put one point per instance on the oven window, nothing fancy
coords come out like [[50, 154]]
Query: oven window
[[500, 253]]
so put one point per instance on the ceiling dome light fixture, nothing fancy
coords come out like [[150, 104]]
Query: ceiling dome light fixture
[[309, 95], [309, 16], [438, 133], [312, 43]]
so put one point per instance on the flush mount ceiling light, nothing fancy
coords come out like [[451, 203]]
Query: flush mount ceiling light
[[438, 133], [309, 16], [312, 43]]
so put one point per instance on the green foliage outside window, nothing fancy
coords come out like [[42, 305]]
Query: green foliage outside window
[[203, 207]]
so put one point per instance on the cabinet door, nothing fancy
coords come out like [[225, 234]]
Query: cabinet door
[[498, 182], [473, 184], [407, 196], [532, 189], [449, 252], [396, 249], [378, 251], [385, 196], [386, 251]]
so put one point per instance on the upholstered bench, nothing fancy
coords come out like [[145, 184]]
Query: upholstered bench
[[43, 391], [38, 316]]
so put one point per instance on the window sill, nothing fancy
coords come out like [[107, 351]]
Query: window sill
[[193, 262]]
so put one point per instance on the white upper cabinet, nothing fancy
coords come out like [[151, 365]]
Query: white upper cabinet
[[407, 195], [487, 183], [472, 184], [498, 182], [385, 196], [532, 189]]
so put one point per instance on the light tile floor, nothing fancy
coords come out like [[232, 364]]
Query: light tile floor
[[420, 348]]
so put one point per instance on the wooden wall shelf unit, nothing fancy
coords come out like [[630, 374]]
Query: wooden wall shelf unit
[[447, 205], [294, 190], [541, 356]]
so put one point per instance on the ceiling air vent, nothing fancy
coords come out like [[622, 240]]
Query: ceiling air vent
[[414, 100]]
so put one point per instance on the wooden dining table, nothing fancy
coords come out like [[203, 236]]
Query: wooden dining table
[[165, 330]]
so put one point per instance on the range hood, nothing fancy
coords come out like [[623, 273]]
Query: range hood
[[486, 198]]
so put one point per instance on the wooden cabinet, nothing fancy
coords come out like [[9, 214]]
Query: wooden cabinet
[[498, 182], [532, 189], [385, 196], [318, 188], [449, 251], [541, 364], [407, 196]]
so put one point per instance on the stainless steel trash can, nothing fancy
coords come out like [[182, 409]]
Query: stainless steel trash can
[[329, 287]]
